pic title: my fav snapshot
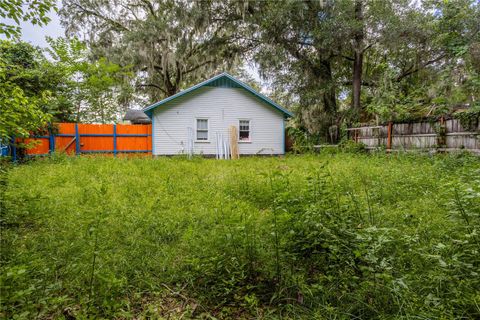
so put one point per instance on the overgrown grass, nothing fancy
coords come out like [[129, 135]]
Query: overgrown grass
[[328, 236]]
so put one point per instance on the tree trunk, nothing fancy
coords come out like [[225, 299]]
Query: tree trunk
[[323, 74], [172, 90], [329, 96], [357, 83], [358, 62]]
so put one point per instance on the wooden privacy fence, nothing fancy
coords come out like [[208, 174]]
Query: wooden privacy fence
[[441, 135], [78, 138]]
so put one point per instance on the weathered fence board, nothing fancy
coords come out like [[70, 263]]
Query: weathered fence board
[[448, 135]]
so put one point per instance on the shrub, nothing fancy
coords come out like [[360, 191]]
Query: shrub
[[352, 146]]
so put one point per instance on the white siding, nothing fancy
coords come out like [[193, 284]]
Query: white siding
[[222, 107]]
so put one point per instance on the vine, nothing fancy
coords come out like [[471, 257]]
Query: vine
[[441, 131], [469, 119]]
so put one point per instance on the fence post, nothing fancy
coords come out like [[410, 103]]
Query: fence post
[[389, 135], [442, 134], [77, 140], [51, 142], [14, 150], [115, 140]]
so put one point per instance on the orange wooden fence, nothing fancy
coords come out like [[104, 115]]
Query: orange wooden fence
[[79, 138]]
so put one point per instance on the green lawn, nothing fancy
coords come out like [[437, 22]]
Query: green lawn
[[327, 236]]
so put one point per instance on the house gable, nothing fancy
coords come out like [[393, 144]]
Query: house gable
[[223, 80]]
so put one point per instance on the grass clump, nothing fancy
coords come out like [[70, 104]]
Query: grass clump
[[327, 236]]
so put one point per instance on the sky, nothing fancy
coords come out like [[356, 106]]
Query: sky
[[35, 34]]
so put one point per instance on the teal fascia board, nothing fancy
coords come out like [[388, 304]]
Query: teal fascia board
[[223, 80]]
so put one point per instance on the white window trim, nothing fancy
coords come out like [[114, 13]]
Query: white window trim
[[249, 130], [196, 130]]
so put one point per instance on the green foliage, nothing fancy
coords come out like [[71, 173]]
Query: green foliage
[[33, 11], [295, 44], [410, 59], [470, 118], [351, 146], [65, 88], [28, 69], [98, 91], [303, 142], [430, 68], [329, 236], [170, 44], [21, 111]]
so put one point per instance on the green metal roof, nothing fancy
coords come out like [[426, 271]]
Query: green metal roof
[[223, 80]]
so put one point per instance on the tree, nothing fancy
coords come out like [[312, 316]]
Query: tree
[[346, 59], [333, 61], [19, 114], [295, 49], [34, 11], [170, 44], [20, 111], [28, 69], [65, 88], [98, 91], [358, 51], [428, 67]]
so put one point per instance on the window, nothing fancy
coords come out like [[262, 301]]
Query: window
[[202, 129], [244, 130]]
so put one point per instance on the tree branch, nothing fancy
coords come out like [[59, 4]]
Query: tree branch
[[157, 68], [412, 70], [151, 85], [150, 7], [347, 57], [96, 14], [364, 83], [178, 76], [367, 47], [198, 66], [131, 11]]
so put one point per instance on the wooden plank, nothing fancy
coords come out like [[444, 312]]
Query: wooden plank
[[69, 144], [234, 142], [389, 135]]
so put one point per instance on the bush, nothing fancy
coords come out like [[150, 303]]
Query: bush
[[351, 146]]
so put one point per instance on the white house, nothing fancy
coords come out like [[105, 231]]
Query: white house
[[195, 118]]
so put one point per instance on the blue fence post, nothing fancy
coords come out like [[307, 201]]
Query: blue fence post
[[77, 140], [14, 150], [115, 140], [51, 142]]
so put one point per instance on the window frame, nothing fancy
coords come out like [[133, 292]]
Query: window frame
[[203, 130], [249, 131]]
